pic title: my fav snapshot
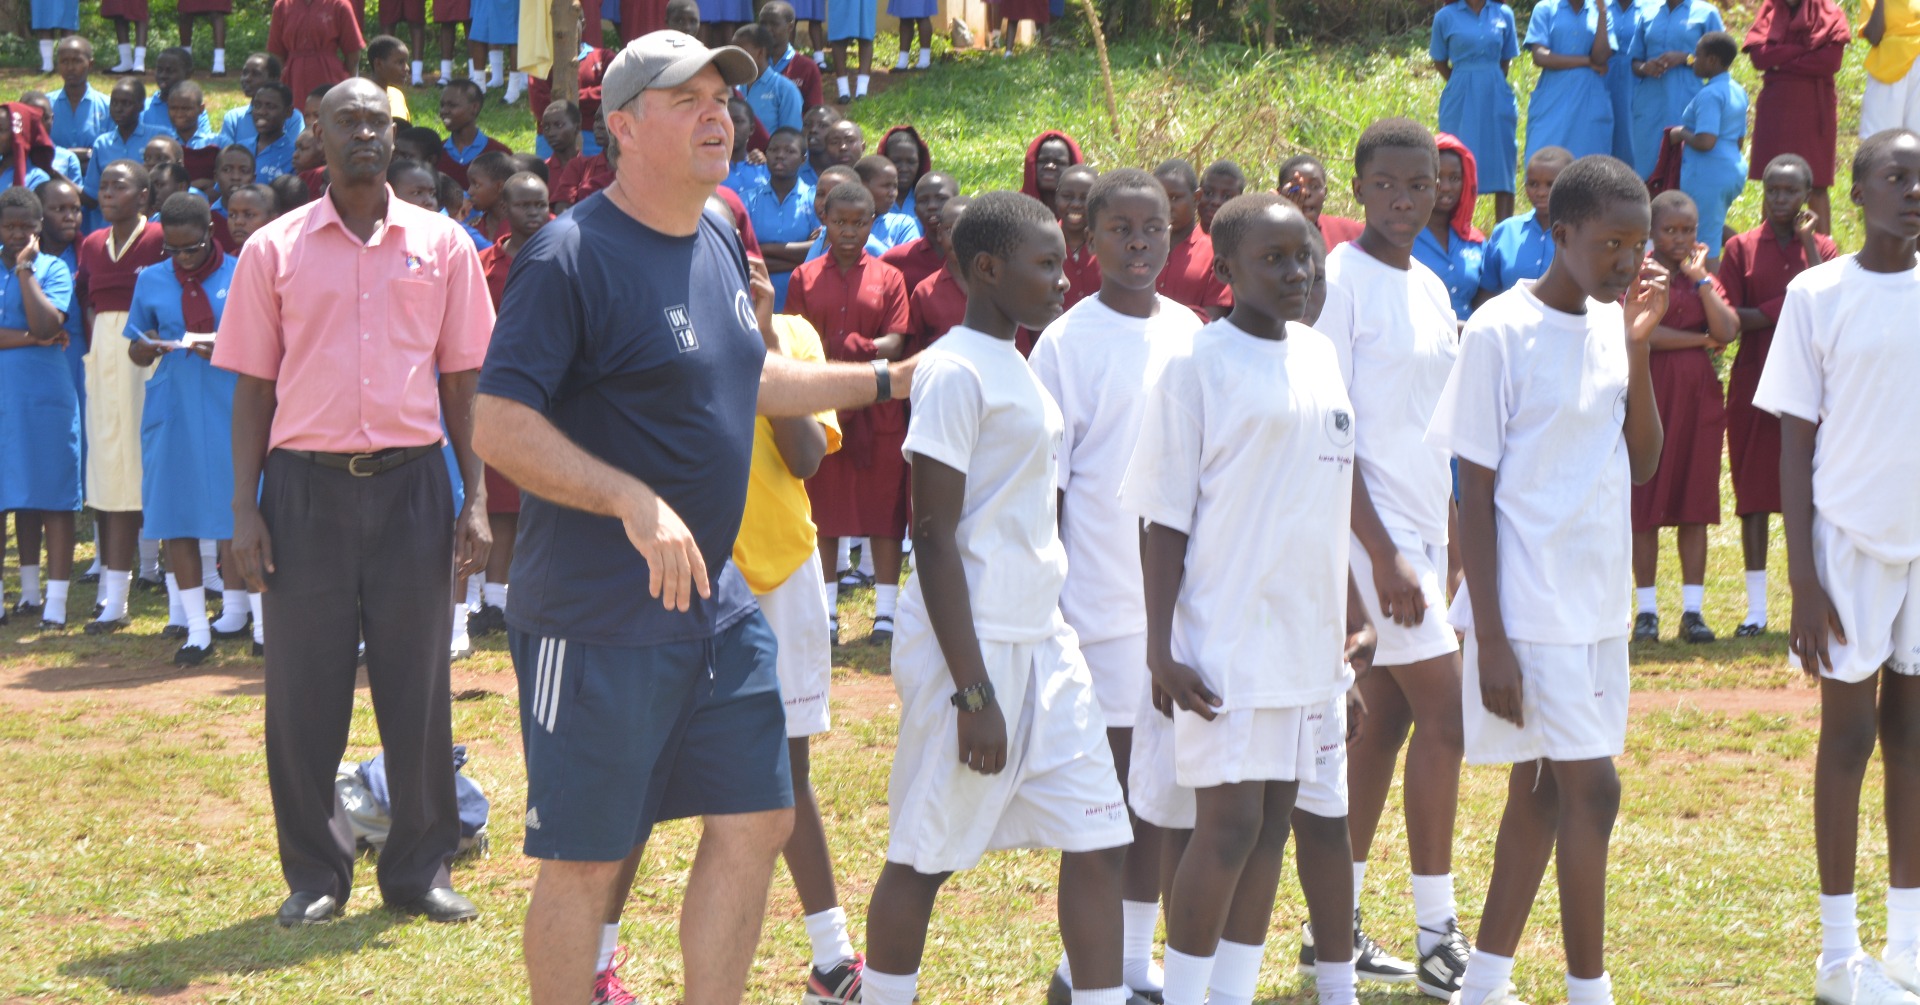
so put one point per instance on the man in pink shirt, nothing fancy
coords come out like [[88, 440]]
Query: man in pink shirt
[[357, 324]]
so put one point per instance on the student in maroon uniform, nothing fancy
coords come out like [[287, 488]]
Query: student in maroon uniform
[[1189, 277]]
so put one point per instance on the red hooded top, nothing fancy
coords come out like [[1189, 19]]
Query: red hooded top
[[1030, 180], [32, 143], [1462, 221], [926, 157]]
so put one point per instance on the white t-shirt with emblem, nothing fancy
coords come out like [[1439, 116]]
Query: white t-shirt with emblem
[[1247, 447], [1395, 333], [1098, 363], [1540, 397], [978, 408]]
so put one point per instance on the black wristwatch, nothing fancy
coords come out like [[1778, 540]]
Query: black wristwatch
[[882, 382], [974, 698]]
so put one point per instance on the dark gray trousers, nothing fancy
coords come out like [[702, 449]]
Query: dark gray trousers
[[360, 557]]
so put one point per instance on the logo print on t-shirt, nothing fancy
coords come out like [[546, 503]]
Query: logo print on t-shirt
[[743, 309], [1340, 427], [682, 324]]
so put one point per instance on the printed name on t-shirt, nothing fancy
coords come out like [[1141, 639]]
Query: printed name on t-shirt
[[682, 324]]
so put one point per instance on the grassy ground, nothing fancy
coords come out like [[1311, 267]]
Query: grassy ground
[[136, 844]]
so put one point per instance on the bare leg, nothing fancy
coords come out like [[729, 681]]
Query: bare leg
[[186, 31], [1900, 749], [1753, 540], [1090, 919], [120, 25], [1520, 856], [1142, 879], [120, 538], [1692, 539], [141, 33], [1251, 910], [808, 859], [897, 918], [1432, 793], [27, 537], [500, 559], [1173, 847], [1323, 855], [726, 901], [830, 560], [866, 68], [1502, 206], [1848, 718], [183, 555], [1228, 826], [1646, 557], [886, 556], [623, 885], [59, 536], [1371, 759], [1589, 802], [562, 933]]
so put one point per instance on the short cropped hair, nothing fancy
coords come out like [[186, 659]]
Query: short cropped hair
[[465, 85], [870, 166], [21, 197], [264, 193], [379, 47], [757, 34], [403, 166], [1873, 146], [173, 171], [1231, 223], [1298, 161], [1553, 157], [1674, 200], [1392, 134], [278, 87], [495, 164], [1117, 181], [1720, 46], [186, 209], [1790, 162], [289, 193], [530, 164], [527, 177], [1177, 170], [787, 131], [569, 106], [1592, 185], [1226, 168], [850, 193], [239, 148], [995, 224]]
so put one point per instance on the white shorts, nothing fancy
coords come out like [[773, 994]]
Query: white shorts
[[1157, 797], [1573, 698], [1891, 106], [1878, 604], [1119, 668], [796, 610], [1403, 645], [1058, 790]]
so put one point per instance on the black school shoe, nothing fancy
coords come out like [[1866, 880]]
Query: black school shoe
[[22, 607], [1646, 627], [1370, 962], [882, 633], [192, 656], [1748, 630], [174, 632], [105, 627], [1693, 628]]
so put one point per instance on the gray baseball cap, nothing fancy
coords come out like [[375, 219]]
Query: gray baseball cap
[[669, 58]]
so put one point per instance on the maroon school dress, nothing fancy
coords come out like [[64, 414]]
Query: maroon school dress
[[452, 11], [1686, 389], [861, 491], [206, 6], [1755, 270], [313, 38], [917, 259], [1188, 277], [1083, 272], [132, 10], [1798, 51], [1338, 230], [937, 305]]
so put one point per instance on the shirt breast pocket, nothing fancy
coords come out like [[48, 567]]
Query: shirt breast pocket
[[414, 313]]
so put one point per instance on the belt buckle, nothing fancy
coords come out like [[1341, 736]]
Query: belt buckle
[[353, 465]]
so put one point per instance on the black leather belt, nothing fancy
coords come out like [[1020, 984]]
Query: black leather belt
[[369, 464]]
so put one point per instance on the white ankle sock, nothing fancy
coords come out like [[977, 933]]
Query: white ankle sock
[[866, 544], [828, 933], [460, 639], [1645, 601], [140, 58], [1757, 597], [1359, 880], [1103, 996], [843, 555], [419, 72], [1691, 597], [900, 65], [446, 70], [476, 591], [926, 56], [194, 599], [219, 60], [1334, 982], [1236, 973], [149, 558], [1137, 918], [113, 594], [46, 55], [176, 605], [1187, 978], [885, 598], [126, 56], [259, 618], [861, 87], [1903, 920], [475, 74], [233, 610], [1486, 974], [495, 595], [55, 609], [210, 567], [609, 945], [1432, 909], [496, 67], [1590, 990], [29, 584], [877, 988]]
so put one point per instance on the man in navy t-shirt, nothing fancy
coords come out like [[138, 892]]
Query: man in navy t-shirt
[[620, 391]]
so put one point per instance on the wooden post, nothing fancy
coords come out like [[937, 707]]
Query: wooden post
[[566, 48], [1106, 68], [1272, 16]]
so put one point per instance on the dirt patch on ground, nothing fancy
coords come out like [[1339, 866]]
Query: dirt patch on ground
[[1793, 701]]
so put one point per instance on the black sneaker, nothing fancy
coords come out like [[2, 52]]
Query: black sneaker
[[839, 986], [1441, 968], [1748, 630], [1370, 962], [1646, 627], [1693, 628]]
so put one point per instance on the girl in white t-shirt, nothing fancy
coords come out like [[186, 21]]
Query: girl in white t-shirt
[[1244, 473], [1550, 410], [1841, 375]]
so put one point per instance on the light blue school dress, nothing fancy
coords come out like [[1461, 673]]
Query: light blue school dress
[[237, 126], [778, 221], [39, 409], [1569, 108], [1658, 102], [1477, 105], [895, 228], [1459, 265], [186, 429], [775, 101], [1715, 178], [819, 249], [907, 9], [274, 159], [849, 19], [76, 333], [743, 176], [719, 11], [495, 22], [77, 126], [55, 15], [1623, 27], [154, 113], [1519, 248], [66, 164]]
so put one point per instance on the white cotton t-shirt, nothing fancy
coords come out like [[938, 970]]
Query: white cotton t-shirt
[[1247, 447], [978, 408], [1098, 363], [1846, 355], [1540, 397], [1395, 333]]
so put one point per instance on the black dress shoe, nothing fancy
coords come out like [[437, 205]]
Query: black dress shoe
[[259, 650], [245, 631], [308, 909], [441, 905], [192, 656], [105, 627], [52, 626], [145, 585], [1694, 628], [1646, 627], [174, 632], [23, 607]]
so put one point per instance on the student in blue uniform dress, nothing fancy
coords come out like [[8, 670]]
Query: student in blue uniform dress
[[79, 111], [1669, 31], [237, 126], [170, 68], [1474, 43], [1623, 26], [1449, 244], [273, 134], [1521, 247], [781, 209], [1569, 108], [127, 140], [39, 411], [1713, 169], [186, 428], [50, 20]]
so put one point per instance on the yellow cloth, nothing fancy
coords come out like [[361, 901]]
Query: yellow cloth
[[116, 396], [535, 51], [397, 102], [776, 531], [1889, 61]]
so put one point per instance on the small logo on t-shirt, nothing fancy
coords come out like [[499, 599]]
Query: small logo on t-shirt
[[743, 309], [682, 324], [1340, 427]]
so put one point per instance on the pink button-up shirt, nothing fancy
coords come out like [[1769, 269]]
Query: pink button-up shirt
[[354, 336]]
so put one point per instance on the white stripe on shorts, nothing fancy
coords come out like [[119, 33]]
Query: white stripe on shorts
[[559, 670]]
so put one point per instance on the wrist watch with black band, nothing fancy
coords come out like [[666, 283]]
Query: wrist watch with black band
[[882, 382], [974, 697]]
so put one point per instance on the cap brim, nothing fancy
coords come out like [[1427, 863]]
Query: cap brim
[[735, 66]]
